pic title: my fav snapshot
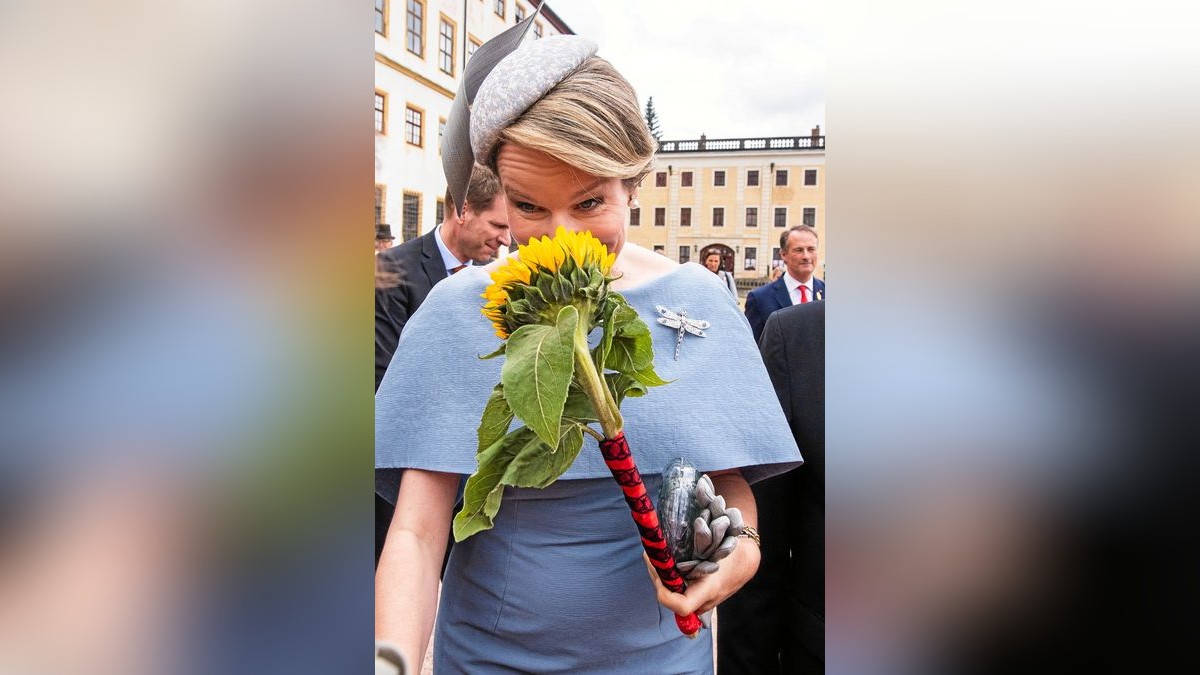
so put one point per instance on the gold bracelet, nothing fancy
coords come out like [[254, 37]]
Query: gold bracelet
[[752, 534]]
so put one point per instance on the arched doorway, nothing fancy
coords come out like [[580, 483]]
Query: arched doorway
[[726, 255]]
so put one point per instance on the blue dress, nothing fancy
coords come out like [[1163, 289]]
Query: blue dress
[[559, 584]]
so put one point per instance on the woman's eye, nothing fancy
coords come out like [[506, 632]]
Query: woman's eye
[[589, 204], [525, 207]]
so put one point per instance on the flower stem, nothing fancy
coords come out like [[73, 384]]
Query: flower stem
[[592, 382]]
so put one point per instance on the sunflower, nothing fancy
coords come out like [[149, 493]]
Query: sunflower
[[546, 275]]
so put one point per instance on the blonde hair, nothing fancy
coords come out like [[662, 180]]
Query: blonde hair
[[590, 121]]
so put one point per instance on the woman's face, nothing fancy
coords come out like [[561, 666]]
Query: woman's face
[[543, 193], [713, 262]]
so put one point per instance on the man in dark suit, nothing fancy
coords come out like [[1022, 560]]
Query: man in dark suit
[[776, 622], [405, 274], [798, 247]]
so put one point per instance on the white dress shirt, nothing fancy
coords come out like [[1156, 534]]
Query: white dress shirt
[[448, 258], [793, 286]]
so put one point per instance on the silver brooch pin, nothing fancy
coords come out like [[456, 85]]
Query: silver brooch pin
[[681, 323]]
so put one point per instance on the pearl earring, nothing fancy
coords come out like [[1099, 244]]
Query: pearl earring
[[634, 204]]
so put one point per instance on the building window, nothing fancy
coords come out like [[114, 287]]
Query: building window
[[441, 134], [776, 257], [446, 46], [380, 203], [718, 179], [660, 216], [635, 217], [751, 216], [519, 14], [718, 216], [381, 17], [751, 258], [472, 45], [781, 177], [440, 210], [686, 179], [810, 176], [685, 253], [780, 216], [659, 248], [411, 217], [660, 179], [412, 126], [752, 178], [685, 217], [537, 30], [380, 112], [499, 8], [809, 217], [415, 28]]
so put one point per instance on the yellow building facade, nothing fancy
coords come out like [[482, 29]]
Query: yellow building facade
[[735, 196]]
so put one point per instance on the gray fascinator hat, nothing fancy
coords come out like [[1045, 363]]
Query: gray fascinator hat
[[502, 80]]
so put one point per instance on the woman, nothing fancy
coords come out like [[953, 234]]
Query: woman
[[559, 584], [713, 262]]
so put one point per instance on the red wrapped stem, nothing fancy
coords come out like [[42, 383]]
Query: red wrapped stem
[[620, 462]]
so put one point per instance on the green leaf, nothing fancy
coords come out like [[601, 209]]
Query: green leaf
[[622, 385], [648, 377], [497, 417], [519, 459], [494, 354], [578, 406], [537, 371], [484, 490], [632, 347]]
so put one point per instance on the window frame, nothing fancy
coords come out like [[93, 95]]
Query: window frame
[[805, 182], [721, 174], [420, 127], [441, 135], [473, 43], [443, 21], [419, 198], [385, 14], [408, 32], [804, 211], [685, 254], [503, 8], [382, 127], [751, 216], [749, 263], [635, 217], [718, 221], [781, 173], [757, 178], [538, 31], [685, 211], [380, 203], [775, 216], [660, 216], [660, 179], [519, 13], [686, 179]]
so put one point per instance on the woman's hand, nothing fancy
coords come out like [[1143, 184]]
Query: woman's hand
[[710, 590]]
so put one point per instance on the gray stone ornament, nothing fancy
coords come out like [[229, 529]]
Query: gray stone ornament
[[700, 530]]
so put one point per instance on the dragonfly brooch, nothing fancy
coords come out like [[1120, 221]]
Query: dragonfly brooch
[[681, 323]]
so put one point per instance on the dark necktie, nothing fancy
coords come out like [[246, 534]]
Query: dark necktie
[[457, 269]]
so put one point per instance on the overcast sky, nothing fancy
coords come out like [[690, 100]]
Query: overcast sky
[[728, 69]]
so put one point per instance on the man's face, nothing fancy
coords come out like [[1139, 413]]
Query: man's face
[[801, 255], [713, 263], [383, 244], [484, 232]]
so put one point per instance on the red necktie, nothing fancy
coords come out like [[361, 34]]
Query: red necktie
[[457, 269], [803, 294]]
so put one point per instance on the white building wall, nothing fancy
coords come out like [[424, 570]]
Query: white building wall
[[412, 80]]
